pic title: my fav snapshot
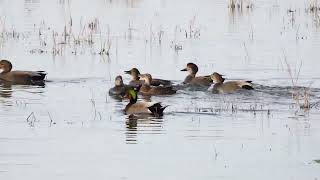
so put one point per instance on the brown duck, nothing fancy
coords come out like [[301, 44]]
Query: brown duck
[[142, 107], [20, 77], [119, 89], [134, 72], [148, 90], [230, 86], [192, 79]]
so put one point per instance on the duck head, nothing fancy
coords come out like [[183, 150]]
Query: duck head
[[217, 78], [191, 68], [146, 77], [5, 66], [118, 81], [132, 94], [134, 72]]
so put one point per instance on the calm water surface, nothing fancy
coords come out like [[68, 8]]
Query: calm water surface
[[72, 129]]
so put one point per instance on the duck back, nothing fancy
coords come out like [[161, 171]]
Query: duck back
[[232, 86], [138, 108], [24, 77], [157, 90]]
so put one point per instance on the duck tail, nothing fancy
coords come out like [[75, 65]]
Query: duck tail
[[157, 109], [247, 85], [41, 76]]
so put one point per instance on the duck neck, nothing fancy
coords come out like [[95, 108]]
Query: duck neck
[[135, 77], [132, 101], [119, 84], [217, 85], [193, 74], [145, 88], [4, 71], [147, 82]]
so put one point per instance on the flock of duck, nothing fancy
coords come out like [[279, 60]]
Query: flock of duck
[[143, 84]]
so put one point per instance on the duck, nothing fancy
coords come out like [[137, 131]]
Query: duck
[[220, 86], [148, 90], [192, 79], [142, 108], [119, 88], [134, 72], [20, 77]]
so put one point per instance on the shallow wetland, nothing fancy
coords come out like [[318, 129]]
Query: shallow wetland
[[72, 129]]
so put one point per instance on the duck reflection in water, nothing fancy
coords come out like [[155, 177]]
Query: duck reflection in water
[[5, 89], [142, 124]]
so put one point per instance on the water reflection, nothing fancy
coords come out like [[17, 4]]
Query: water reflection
[[125, 3], [241, 125], [131, 130], [24, 93], [142, 125], [5, 90]]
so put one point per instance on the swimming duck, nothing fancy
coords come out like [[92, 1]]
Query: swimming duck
[[134, 72], [230, 86], [142, 107], [119, 88], [192, 79], [20, 77], [147, 89]]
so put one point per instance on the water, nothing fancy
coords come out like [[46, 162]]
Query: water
[[72, 129]]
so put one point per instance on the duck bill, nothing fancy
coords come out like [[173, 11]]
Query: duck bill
[[185, 69], [127, 72]]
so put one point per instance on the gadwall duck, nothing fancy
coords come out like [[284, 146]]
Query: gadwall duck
[[20, 77], [230, 86], [119, 88], [142, 107], [134, 72], [192, 79], [148, 90]]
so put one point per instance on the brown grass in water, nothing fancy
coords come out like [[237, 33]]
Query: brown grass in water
[[300, 96]]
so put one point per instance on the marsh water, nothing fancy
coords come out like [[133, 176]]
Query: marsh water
[[72, 129]]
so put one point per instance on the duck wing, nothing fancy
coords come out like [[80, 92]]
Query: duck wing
[[246, 85], [136, 83], [25, 77], [29, 75], [231, 86], [167, 90], [139, 108], [202, 81], [158, 82]]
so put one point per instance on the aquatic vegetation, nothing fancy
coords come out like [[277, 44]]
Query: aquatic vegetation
[[7, 32], [240, 4], [314, 6], [300, 95], [314, 10]]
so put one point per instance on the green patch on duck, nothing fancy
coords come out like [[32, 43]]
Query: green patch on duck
[[133, 94], [317, 161]]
